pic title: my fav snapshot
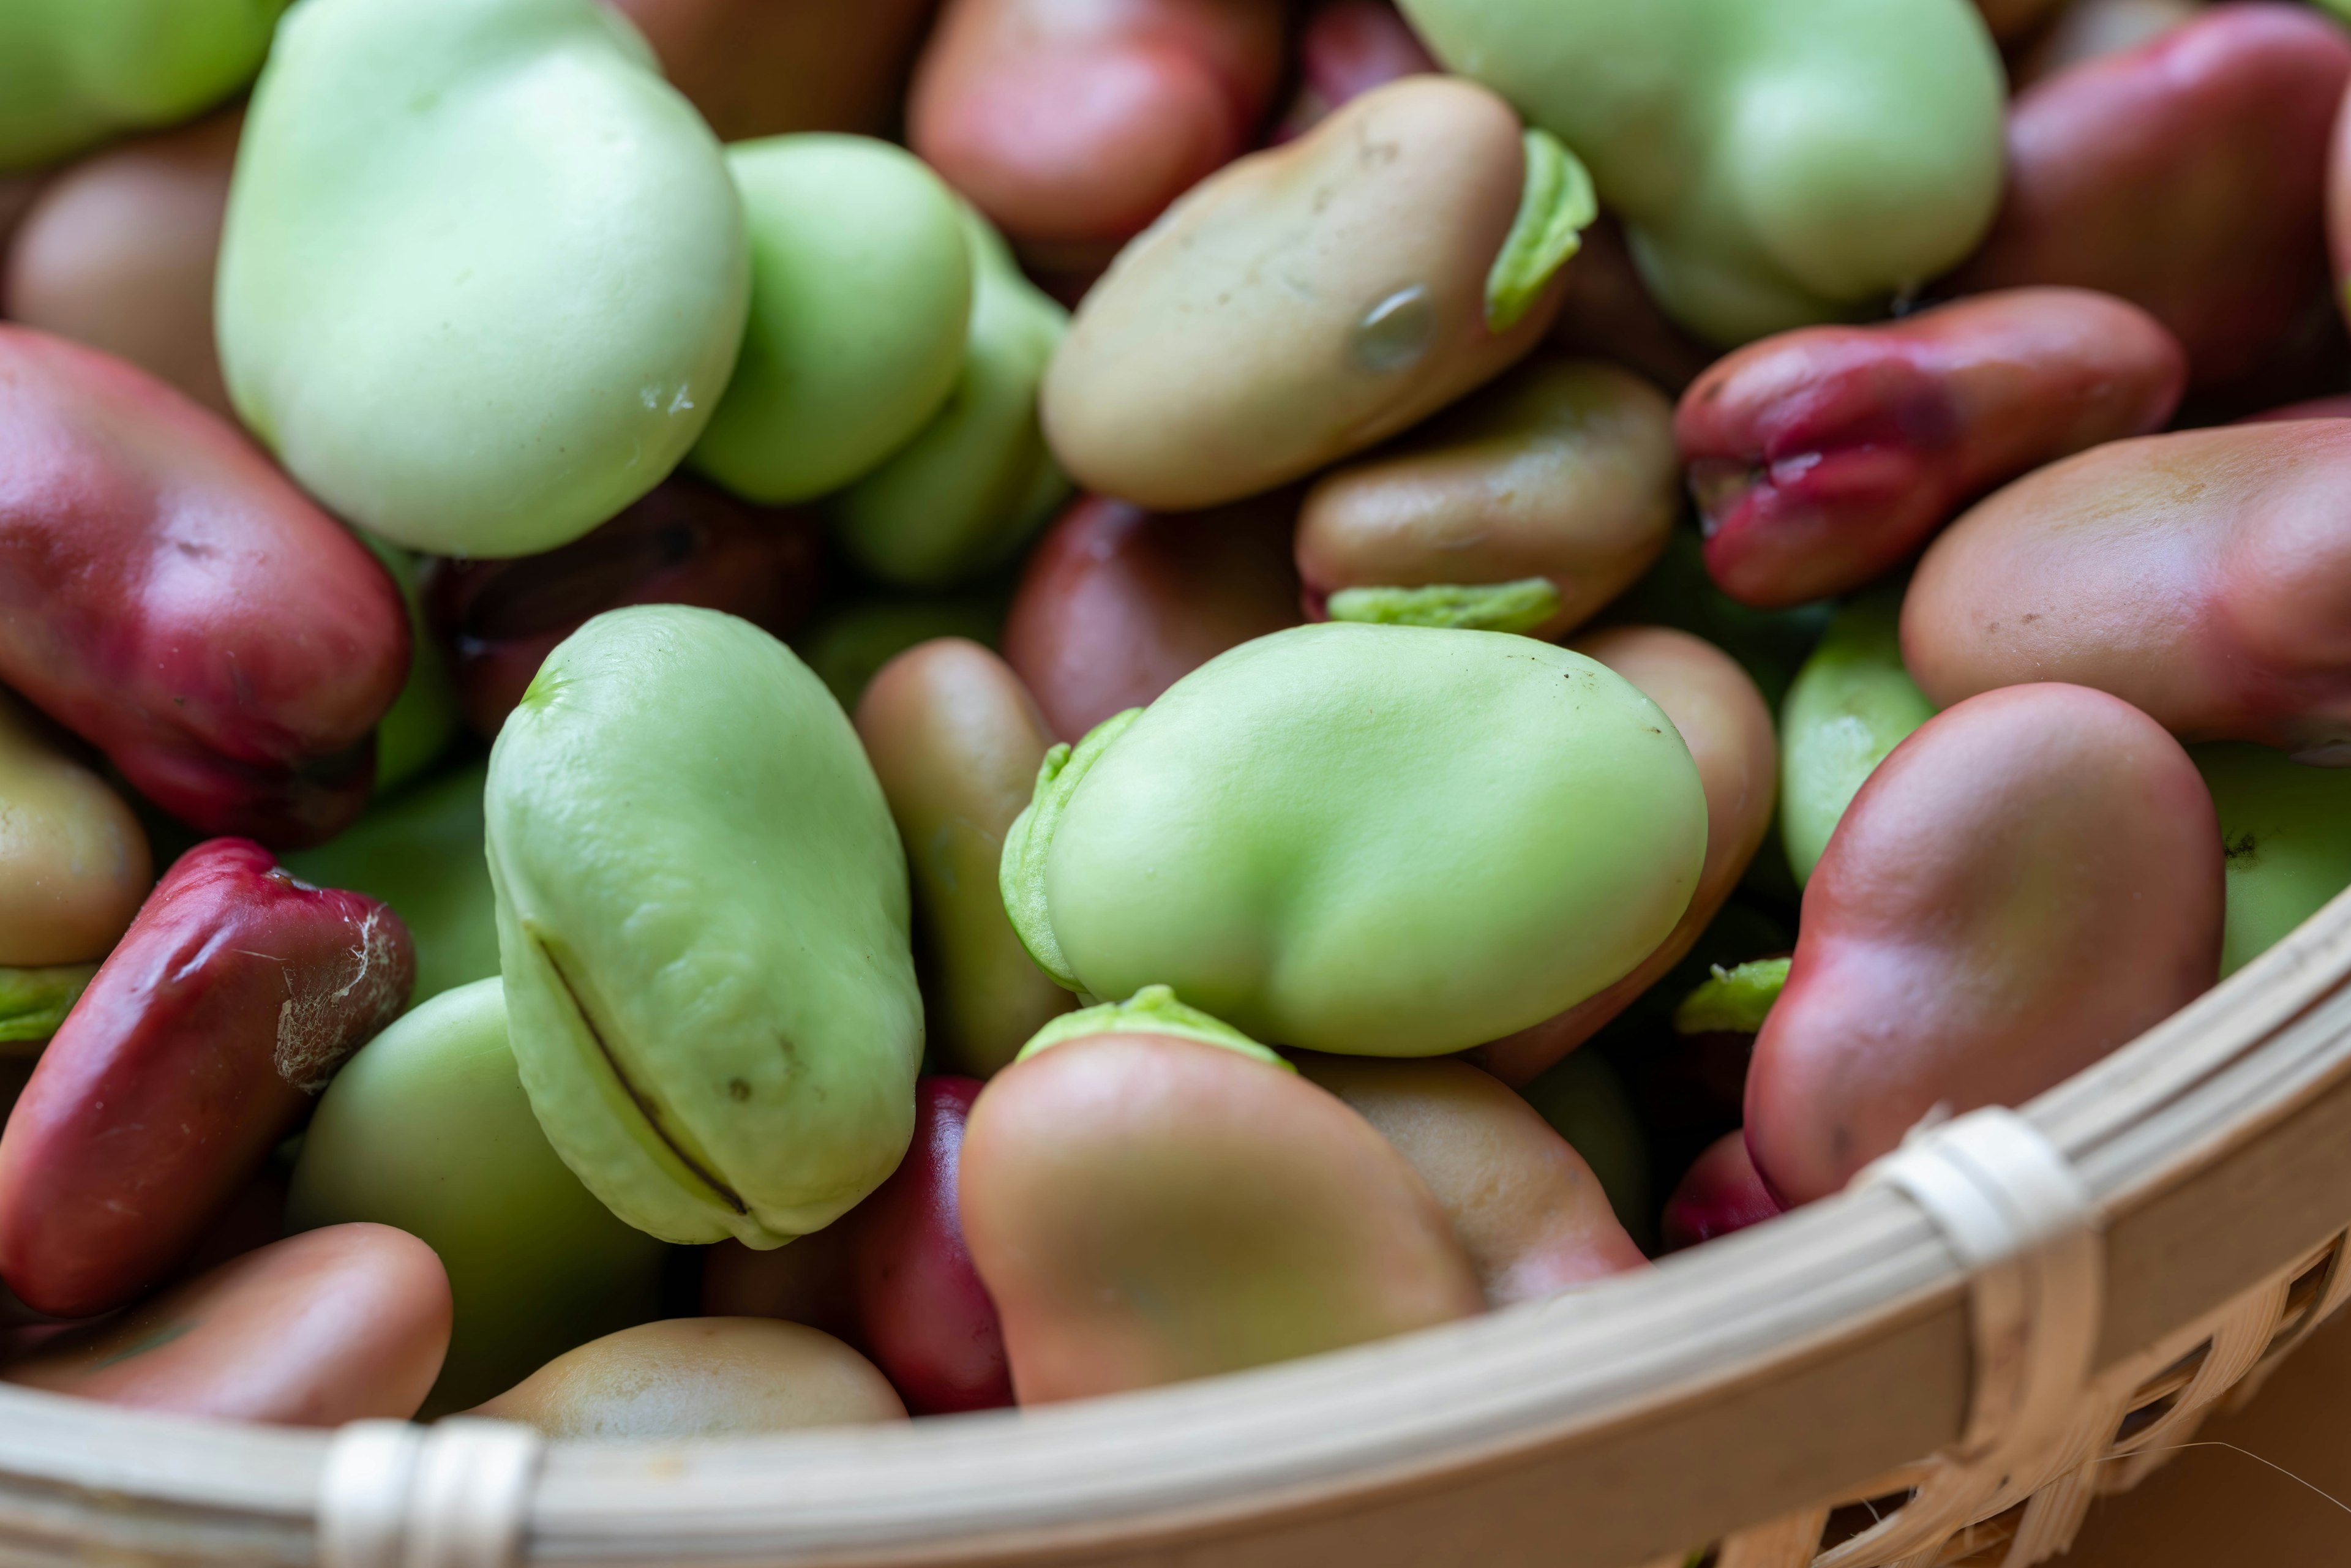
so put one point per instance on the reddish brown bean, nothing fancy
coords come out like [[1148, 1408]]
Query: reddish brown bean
[[170, 596], [1719, 1194], [1605, 312], [757, 68], [2186, 175], [1072, 127], [2028, 882], [1117, 604], [1346, 49], [2013, 19], [1822, 457], [684, 543], [806, 1281], [338, 1324], [2203, 576], [230, 1002], [119, 251]]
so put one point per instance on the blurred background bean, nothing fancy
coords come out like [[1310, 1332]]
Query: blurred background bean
[[1345, 48], [1719, 1194], [2088, 29], [2011, 20], [2285, 830], [419, 725], [807, 1280], [1116, 605], [1852, 703], [75, 72], [73, 859], [757, 68], [1586, 1103], [1606, 312], [847, 643]]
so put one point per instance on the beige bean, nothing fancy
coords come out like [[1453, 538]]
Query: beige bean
[[73, 860]]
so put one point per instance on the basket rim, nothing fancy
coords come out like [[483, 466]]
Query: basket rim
[[1802, 1301]]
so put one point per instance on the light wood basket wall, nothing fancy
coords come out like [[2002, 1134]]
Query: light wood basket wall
[[1752, 1396]]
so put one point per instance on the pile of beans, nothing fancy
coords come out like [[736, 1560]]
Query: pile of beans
[[877, 706]]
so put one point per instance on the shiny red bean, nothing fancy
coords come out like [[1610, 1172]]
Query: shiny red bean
[[1822, 457], [1719, 1194], [169, 596], [763, 67], [230, 1002]]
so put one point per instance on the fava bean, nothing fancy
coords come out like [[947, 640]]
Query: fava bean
[[423, 719], [33, 1004], [1560, 477], [2185, 175], [703, 927], [848, 646], [1116, 603], [1146, 1208], [2011, 20], [1777, 162], [225, 1009], [2199, 576], [699, 1377], [1720, 1193], [806, 1281], [955, 740], [973, 484], [75, 72], [1822, 458], [1072, 127], [2025, 884], [684, 543], [73, 860], [1852, 703], [1606, 312], [1585, 1101], [1526, 1209], [2285, 830], [1720, 717], [1771, 645], [757, 68], [1346, 49], [2090, 29], [167, 595], [1316, 298], [861, 297], [1420, 839], [341, 1325], [483, 274], [119, 252]]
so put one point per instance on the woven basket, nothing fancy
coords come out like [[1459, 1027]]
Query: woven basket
[[1942, 1366]]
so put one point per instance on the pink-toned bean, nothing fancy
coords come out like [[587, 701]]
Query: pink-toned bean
[[1717, 1195], [1346, 49]]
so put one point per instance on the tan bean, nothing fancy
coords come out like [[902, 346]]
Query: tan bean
[[73, 860], [1563, 470], [1302, 303]]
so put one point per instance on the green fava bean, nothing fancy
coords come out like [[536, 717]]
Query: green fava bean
[[483, 274], [75, 72], [861, 294], [1850, 705], [423, 719], [976, 481], [1776, 161], [421, 852], [1374, 841], [428, 1129], [703, 924], [2285, 830]]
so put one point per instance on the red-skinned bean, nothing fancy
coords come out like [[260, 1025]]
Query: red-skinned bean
[[755, 68], [684, 543], [170, 596], [2203, 576], [1117, 604], [1823, 457], [1717, 1195], [1346, 49], [921, 1313], [2185, 175], [2028, 882], [1072, 127], [228, 1006]]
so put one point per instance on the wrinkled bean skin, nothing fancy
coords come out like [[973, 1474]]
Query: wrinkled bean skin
[[1526, 1209], [2185, 175], [685, 543], [1346, 49], [1073, 126], [1562, 469], [1719, 1194], [225, 1009], [167, 596], [1117, 604], [1823, 457], [1721, 717], [757, 68], [73, 860], [1198, 371], [922, 1313], [699, 1377], [955, 739], [2200, 576], [2091, 29], [1851, 705], [2027, 882], [428, 1129], [119, 251], [2285, 830], [1145, 1209], [1606, 312], [340, 1324]]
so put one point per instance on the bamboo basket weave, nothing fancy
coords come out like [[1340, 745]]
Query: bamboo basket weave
[[1942, 1366]]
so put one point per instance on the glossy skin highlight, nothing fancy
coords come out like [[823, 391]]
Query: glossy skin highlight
[[1823, 457], [2028, 882]]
